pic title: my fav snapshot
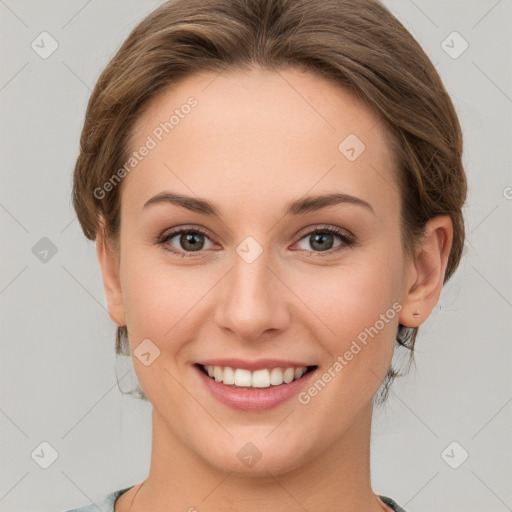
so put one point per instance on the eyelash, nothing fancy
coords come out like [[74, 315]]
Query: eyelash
[[347, 240]]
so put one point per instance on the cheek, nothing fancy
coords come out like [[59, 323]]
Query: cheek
[[358, 302], [163, 301]]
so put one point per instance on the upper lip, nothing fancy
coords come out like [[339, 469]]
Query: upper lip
[[253, 365]]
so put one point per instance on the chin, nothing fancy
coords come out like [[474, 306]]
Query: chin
[[257, 455]]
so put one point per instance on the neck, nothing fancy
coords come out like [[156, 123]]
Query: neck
[[336, 479]]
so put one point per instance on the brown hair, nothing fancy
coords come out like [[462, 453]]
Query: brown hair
[[358, 44]]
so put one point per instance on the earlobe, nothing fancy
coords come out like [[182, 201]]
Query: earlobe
[[110, 274], [428, 269]]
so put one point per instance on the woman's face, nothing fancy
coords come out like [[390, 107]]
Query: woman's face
[[255, 288]]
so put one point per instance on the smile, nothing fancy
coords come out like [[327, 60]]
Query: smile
[[262, 387], [264, 378]]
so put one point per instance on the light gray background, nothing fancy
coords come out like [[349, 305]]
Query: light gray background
[[58, 368]]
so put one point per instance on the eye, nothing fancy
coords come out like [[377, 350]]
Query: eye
[[322, 240], [187, 240]]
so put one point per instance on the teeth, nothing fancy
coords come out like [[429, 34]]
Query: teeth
[[242, 377], [217, 373], [299, 372], [257, 379], [228, 376], [276, 376], [260, 379], [288, 375]]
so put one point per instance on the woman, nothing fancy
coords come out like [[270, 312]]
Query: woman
[[275, 188]]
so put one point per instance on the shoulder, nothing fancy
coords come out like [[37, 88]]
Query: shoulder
[[106, 504], [392, 503]]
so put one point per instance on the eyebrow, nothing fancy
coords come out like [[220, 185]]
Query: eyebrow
[[294, 207]]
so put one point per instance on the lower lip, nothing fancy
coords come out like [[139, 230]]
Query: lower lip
[[254, 399]]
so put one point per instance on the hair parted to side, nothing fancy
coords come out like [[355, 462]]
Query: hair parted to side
[[358, 44]]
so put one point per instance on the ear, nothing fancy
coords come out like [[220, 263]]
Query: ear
[[109, 264], [425, 274]]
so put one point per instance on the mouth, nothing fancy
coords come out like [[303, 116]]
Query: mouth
[[257, 390], [258, 379]]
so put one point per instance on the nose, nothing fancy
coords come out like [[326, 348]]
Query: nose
[[253, 301]]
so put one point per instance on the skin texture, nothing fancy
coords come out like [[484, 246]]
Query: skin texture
[[255, 141]]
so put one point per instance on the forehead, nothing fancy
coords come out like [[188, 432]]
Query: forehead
[[264, 134]]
